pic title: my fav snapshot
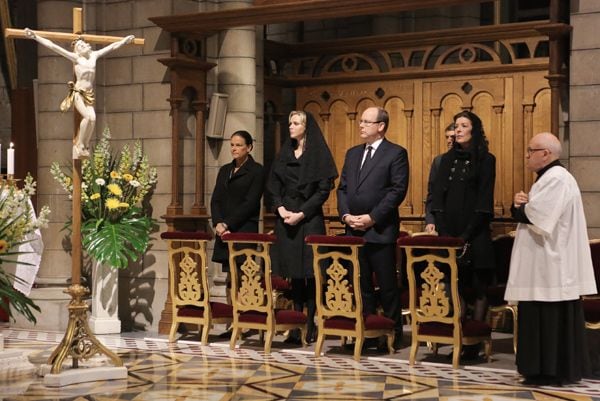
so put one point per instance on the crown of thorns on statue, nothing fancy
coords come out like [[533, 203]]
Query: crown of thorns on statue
[[78, 39]]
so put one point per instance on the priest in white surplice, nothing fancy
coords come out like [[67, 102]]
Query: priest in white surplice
[[551, 267]]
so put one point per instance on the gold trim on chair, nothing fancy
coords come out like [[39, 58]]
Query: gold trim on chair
[[339, 301], [188, 281], [435, 310], [252, 290]]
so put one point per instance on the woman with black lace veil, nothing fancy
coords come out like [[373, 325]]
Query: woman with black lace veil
[[463, 206], [301, 178]]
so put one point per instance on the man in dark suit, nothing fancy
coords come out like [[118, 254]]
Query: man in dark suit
[[373, 183]]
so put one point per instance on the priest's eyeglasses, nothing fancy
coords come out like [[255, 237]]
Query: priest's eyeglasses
[[533, 150], [367, 122]]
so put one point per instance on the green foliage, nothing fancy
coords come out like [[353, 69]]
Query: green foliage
[[115, 229], [18, 225], [20, 302]]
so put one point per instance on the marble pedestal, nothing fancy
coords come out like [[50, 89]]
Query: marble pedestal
[[105, 300]]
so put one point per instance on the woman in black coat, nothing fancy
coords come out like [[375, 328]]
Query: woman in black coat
[[299, 184], [235, 202], [463, 204]]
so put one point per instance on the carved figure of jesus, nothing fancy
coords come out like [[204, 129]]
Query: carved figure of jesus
[[81, 92]]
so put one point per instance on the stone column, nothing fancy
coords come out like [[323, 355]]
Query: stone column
[[234, 52], [584, 115]]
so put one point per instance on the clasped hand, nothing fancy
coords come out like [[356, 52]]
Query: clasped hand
[[290, 218], [520, 199], [221, 229], [361, 222]]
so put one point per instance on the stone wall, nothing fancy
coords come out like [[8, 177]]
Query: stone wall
[[584, 114]]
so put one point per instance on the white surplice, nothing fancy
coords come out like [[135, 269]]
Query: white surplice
[[551, 259]]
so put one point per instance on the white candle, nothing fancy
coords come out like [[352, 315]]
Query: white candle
[[10, 160]]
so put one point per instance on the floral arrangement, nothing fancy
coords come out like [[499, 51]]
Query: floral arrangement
[[17, 224], [115, 228]]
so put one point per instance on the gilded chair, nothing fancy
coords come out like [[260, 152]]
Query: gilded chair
[[591, 304], [188, 284], [252, 290], [503, 245], [339, 302], [435, 312]]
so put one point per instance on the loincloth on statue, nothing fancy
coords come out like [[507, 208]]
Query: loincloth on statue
[[87, 95]]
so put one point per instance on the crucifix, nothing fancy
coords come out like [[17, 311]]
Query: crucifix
[[78, 343]]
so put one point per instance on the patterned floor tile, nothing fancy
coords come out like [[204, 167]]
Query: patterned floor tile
[[188, 371]]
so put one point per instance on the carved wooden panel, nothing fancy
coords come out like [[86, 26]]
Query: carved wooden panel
[[511, 106], [423, 80]]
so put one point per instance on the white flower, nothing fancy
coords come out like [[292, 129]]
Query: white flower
[[134, 183], [100, 181], [84, 185]]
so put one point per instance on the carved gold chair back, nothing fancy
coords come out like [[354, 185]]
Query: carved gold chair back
[[434, 297], [252, 290], [339, 303], [188, 284]]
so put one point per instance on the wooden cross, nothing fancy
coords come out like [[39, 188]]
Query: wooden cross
[[79, 342]]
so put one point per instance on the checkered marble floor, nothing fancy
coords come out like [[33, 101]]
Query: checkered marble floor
[[186, 370]]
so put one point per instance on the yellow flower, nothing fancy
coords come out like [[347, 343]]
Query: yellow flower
[[127, 177], [94, 196], [114, 174], [112, 203], [114, 189], [3, 246], [68, 180], [124, 205]]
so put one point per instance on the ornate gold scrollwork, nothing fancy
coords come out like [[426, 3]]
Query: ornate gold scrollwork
[[251, 291], [433, 301], [188, 288], [338, 296]]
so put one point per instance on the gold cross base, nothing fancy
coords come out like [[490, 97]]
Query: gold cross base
[[79, 342]]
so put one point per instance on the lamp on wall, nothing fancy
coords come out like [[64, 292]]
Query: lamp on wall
[[215, 126]]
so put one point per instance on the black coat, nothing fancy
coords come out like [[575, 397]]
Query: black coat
[[378, 192], [463, 204], [291, 257], [236, 201]]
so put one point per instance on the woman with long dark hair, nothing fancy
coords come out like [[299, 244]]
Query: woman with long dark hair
[[463, 206], [301, 178]]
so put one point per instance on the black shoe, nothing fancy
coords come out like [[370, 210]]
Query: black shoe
[[398, 341], [293, 338], [311, 335], [470, 352], [226, 334]]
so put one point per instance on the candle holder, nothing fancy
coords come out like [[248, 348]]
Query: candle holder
[[10, 180]]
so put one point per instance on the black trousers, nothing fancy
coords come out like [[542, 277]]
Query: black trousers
[[380, 259]]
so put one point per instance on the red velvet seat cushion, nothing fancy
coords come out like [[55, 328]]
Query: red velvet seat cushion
[[431, 240], [470, 328], [280, 284], [372, 322], [282, 316], [591, 310], [186, 236], [219, 310], [248, 237], [190, 311], [334, 240]]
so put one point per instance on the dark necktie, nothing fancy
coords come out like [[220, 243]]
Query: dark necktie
[[367, 160]]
